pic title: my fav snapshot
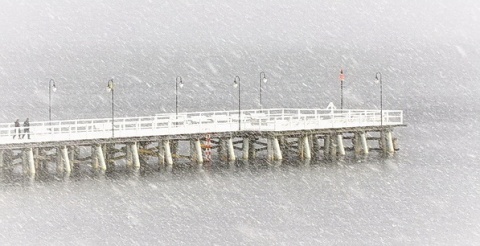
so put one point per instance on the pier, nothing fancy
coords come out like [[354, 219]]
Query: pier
[[273, 134]]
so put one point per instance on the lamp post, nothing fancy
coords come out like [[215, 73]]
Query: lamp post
[[110, 87], [342, 79], [51, 87], [178, 81], [236, 82], [378, 79], [264, 80]]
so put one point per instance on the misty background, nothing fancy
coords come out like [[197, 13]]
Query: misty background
[[427, 51], [301, 45]]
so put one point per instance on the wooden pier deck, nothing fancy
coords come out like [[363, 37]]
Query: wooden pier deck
[[279, 132]]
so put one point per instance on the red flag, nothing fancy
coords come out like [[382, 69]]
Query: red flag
[[342, 76]]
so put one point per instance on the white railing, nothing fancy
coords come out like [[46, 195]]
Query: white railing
[[201, 122]]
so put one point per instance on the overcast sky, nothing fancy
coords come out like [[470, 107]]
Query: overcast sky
[[82, 44], [55, 23]]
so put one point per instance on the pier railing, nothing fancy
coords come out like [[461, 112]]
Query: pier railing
[[200, 123]]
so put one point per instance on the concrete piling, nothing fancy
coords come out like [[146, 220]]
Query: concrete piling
[[135, 156], [341, 148], [66, 160], [246, 148], [101, 158], [198, 148], [276, 149], [168, 153], [231, 152]]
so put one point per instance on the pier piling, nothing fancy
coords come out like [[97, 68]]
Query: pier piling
[[66, 160], [101, 158]]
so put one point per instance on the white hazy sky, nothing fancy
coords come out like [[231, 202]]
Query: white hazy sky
[[57, 23], [302, 44]]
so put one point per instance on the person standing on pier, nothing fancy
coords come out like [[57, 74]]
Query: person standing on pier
[[26, 128], [17, 129]]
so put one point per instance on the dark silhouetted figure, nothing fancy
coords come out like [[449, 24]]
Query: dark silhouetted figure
[[26, 128], [17, 129]]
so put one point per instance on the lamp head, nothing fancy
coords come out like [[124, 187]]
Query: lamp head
[[264, 79], [52, 85], [378, 78], [179, 82], [236, 82], [110, 85]]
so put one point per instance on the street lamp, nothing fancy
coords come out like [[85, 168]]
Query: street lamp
[[264, 80], [378, 79], [178, 81], [342, 79], [110, 88], [236, 82], [51, 87]]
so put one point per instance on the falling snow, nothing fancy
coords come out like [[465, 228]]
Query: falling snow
[[427, 51]]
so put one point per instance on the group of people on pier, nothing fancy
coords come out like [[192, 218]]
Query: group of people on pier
[[18, 131]]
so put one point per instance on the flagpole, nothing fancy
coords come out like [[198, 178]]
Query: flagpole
[[341, 91]]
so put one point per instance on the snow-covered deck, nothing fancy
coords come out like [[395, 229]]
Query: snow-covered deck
[[284, 119]]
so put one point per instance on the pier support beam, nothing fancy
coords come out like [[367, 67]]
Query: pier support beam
[[252, 153], [276, 149], [326, 146], [2, 163], [30, 161], [314, 146], [222, 149], [318, 146], [109, 152], [301, 148], [311, 145], [161, 154], [390, 149], [193, 154], [94, 157], [72, 154], [66, 160], [341, 148], [381, 142], [231, 152], [174, 149], [136, 158], [198, 148], [128, 155], [333, 148], [270, 156], [101, 158], [357, 143], [282, 140], [245, 148], [58, 156], [36, 154], [307, 153], [363, 140], [168, 153]]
